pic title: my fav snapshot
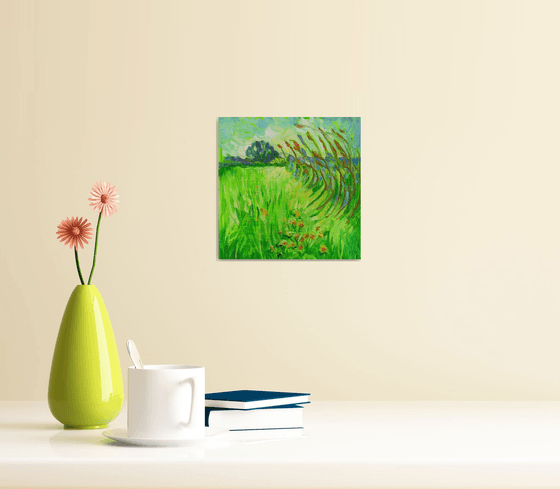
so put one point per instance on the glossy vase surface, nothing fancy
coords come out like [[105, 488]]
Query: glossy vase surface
[[85, 385]]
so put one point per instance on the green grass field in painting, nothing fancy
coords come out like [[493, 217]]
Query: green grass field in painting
[[292, 207], [266, 213]]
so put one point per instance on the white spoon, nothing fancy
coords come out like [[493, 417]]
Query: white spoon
[[134, 355]]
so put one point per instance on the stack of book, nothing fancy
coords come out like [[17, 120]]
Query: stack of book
[[257, 413]]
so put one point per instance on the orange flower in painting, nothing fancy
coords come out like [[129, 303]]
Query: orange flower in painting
[[300, 224], [264, 212], [323, 249], [299, 126], [320, 235], [306, 236], [296, 212], [312, 235], [291, 245], [280, 232], [300, 247], [292, 222], [296, 236], [301, 240], [317, 228], [104, 198], [282, 243], [74, 231]]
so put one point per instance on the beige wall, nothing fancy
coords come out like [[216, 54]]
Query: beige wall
[[456, 296]]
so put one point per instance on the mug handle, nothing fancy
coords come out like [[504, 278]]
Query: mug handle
[[194, 390]]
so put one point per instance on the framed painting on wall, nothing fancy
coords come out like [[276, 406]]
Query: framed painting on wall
[[289, 188]]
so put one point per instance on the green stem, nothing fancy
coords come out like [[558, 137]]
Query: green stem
[[78, 265], [95, 249]]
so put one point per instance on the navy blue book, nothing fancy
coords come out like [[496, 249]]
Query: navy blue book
[[250, 399]]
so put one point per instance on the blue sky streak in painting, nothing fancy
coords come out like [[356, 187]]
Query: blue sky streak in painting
[[238, 133]]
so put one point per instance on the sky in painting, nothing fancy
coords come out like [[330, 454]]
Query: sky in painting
[[237, 133]]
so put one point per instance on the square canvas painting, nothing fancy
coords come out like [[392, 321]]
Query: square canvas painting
[[289, 188]]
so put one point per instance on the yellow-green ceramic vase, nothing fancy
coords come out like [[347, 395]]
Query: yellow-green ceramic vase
[[85, 385]]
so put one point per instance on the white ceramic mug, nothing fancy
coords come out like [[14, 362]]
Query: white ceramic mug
[[166, 402]]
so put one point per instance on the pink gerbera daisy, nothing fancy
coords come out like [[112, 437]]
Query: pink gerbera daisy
[[74, 231], [104, 198]]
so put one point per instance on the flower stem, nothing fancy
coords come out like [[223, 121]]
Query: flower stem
[[78, 265], [95, 249]]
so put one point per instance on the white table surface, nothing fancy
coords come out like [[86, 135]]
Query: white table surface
[[347, 444]]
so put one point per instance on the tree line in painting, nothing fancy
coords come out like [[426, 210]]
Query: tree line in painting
[[293, 190]]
